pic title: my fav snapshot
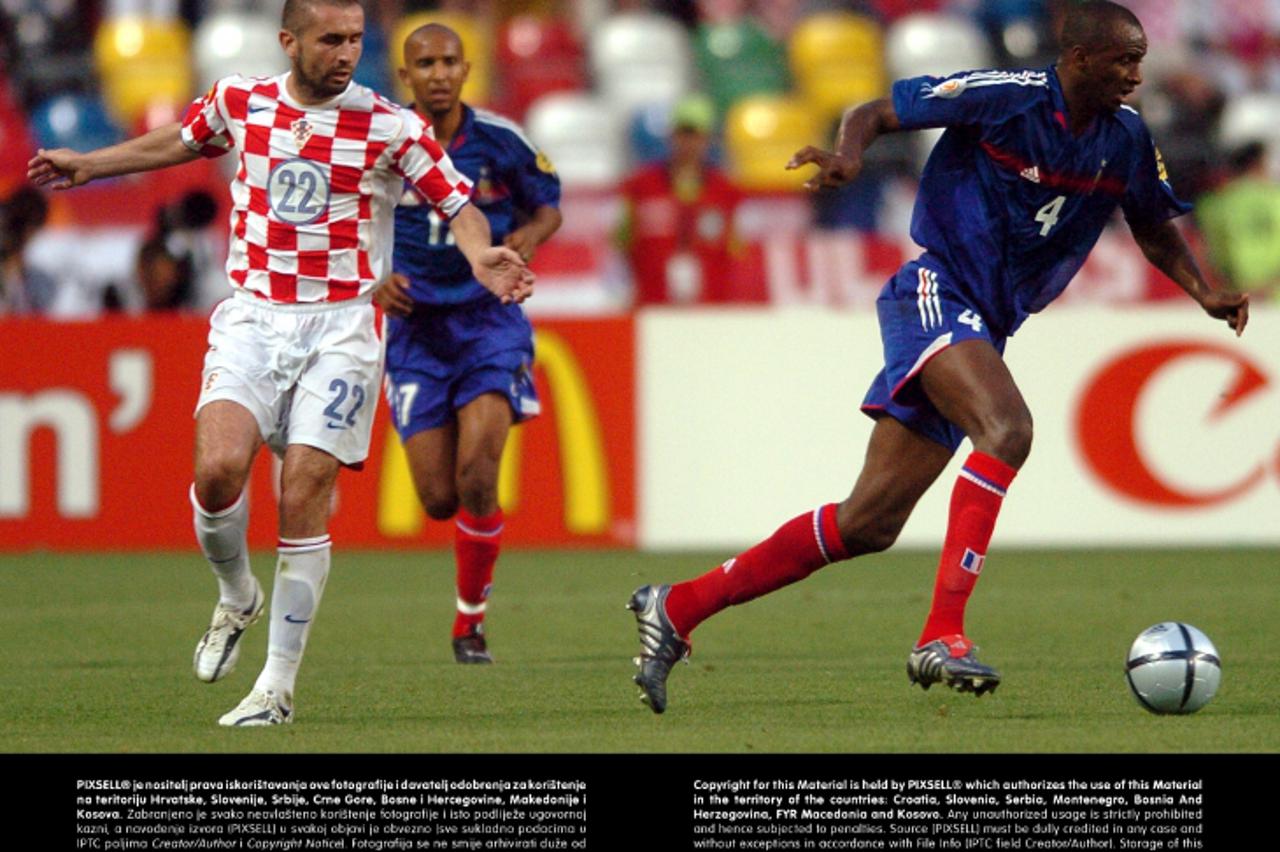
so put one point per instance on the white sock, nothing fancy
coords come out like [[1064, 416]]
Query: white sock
[[301, 572], [222, 537]]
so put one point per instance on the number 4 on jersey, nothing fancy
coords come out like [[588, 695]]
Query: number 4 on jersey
[[1048, 214]]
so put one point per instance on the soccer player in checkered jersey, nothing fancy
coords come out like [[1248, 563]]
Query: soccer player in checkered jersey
[[1031, 167], [459, 362], [294, 356]]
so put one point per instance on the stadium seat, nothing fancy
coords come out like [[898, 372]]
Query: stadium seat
[[130, 39], [640, 58], [374, 69], [245, 43], [141, 61], [1253, 117], [762, 132], [837, 59], [46, 45], [648, 133], [537, 56], [936, 44], [999, 13], [737, 59], [581, 136], [73, 121], [476, 43]]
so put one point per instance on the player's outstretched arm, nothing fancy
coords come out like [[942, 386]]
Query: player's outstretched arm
[[859, 127], [501, 270], [1165, 247], [62, 168]]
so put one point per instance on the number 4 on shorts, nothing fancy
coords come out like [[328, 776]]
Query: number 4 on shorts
[[970, 319]]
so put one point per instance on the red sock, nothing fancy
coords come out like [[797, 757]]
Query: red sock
[[975, 503], [476, 543], [799, 547]]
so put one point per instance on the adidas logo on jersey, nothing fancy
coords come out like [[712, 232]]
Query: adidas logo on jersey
[[1032, 174]]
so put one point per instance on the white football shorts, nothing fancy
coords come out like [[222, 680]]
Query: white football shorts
[[309, 374]]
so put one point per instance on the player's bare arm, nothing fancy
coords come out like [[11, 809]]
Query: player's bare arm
[[62, 168], [1166, 249], [526, 239], [393, 296], [859, 127], [501, 270]]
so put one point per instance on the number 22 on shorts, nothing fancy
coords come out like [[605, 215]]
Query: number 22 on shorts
[[338, 418]]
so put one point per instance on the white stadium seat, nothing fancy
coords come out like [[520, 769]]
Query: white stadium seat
[[640, 58], [924, 43], [245, 43], [937, 44], [1253, 117], [581, 136]]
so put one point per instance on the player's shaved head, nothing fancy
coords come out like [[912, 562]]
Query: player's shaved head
[[1100, 65], [297, 13], [435, 70], [428, 31], [1095, 25]]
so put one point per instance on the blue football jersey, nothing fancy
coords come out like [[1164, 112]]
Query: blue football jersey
[[1011, 202], [511, 179]]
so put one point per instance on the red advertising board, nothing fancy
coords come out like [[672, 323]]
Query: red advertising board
[[96, 439]]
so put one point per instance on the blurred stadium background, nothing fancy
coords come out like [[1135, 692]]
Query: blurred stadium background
[[677, 417], [594, 81]]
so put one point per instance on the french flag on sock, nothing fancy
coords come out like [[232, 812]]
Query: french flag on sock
[[972, 562]]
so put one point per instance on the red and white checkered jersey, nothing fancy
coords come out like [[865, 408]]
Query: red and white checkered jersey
[[312, 216]]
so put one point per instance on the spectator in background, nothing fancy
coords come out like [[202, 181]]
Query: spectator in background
[[161, 278], [186, 229], [1184, 108], [678, 217], [1241, 224], [23, 289], [171, 261]]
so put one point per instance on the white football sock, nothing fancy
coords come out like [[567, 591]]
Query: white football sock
[[301, 572], [222, 537]]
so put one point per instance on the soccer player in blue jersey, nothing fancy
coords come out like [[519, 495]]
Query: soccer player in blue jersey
[[458, 360], [1030, 168]]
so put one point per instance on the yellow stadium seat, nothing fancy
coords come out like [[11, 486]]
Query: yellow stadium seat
[[837, 60], [130, 90], [761, 133], [477, 44], [142, 61], [122, 41]]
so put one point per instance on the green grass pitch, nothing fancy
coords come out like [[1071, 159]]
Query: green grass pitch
[[96, 653]]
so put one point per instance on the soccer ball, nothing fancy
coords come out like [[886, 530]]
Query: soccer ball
[[1173, 668]]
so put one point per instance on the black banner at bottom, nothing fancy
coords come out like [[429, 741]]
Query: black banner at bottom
[[296, 803]]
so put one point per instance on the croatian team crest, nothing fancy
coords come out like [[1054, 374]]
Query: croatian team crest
[[302, 130]]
